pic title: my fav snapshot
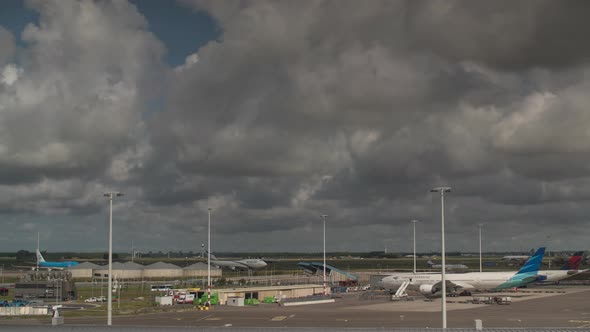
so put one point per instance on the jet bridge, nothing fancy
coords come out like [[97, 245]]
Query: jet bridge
[[335, 274]]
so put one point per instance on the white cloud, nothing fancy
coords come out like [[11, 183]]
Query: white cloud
[[189, 62], [10, 74]]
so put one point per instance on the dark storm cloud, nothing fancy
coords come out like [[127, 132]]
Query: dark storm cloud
[[300, 109], [383, 101], [503, 34]]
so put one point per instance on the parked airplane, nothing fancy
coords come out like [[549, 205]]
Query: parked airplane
[[42, 263], [432, 265], [517, 258], [244, 264], [569, 269], [430, 283]]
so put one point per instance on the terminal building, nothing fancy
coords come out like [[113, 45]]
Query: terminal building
[[83, 270], [280, 293]]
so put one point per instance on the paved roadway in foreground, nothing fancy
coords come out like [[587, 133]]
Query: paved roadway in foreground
[[565, 310]]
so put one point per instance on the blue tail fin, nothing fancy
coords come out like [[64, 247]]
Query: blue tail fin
[[533, 263], [527, 273], [574, 262]]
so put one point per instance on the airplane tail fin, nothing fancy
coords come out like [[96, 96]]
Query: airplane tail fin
[[527, 273], [574, 262], [212, 256], [534, 263], [40, 258]]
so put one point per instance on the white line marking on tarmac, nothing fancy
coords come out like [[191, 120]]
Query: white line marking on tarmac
[[278, 318], [204, 317], [586, 322]]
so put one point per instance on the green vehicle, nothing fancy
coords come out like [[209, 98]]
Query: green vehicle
[[201, 298]]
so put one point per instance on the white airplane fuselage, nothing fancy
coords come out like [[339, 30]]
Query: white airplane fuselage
[[449, 266], [557, 275], [515, 257], [470, 280], [241, 264]]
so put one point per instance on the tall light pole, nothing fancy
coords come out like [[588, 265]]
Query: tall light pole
[[37, 250], [414, 224], [480, 263], [324, 216], [442, 191], [209, 258], [110, 196]]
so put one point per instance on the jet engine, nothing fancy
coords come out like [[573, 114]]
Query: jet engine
[[427, 289]]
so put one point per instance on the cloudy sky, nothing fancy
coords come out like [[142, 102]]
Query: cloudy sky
[[275, 112]]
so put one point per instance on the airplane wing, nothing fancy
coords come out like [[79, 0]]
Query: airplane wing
[[29, 267]]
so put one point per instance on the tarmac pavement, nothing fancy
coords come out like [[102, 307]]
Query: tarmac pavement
[[545, 307]]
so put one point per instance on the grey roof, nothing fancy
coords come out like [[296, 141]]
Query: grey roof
[[84, 265], [196, 266], [123, 266], [133, 266], [162, 266], [116, 266]]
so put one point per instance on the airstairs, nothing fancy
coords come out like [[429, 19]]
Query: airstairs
[[401, 291]]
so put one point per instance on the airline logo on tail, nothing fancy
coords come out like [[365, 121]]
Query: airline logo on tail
[[574, 262], [40, 258], [527, 273]]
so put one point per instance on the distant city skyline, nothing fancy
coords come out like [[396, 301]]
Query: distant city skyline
[[273, 113]]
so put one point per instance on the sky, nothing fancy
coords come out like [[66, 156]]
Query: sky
[[272, 113]]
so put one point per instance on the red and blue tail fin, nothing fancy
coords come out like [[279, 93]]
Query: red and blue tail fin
[[574, 262]]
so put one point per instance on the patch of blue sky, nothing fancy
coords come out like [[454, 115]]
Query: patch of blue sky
[[14, 16], [182, 29]]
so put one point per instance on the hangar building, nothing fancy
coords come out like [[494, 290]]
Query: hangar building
[[132, 270], [84, 270], [200, 270], [162, 270]]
